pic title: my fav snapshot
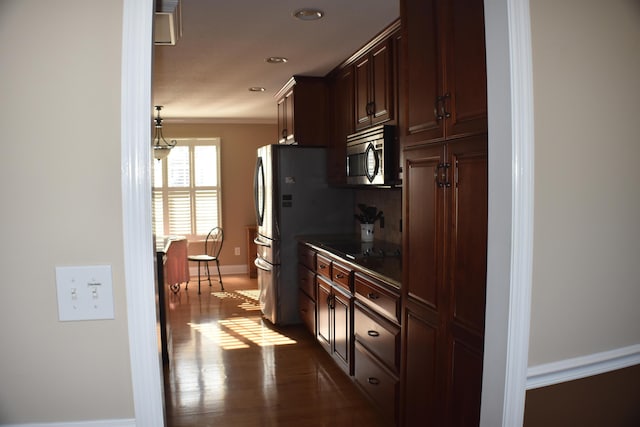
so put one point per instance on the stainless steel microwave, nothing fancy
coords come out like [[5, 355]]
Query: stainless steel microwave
[[371, 156]]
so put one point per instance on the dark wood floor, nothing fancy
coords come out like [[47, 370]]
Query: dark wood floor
[[229, 367]]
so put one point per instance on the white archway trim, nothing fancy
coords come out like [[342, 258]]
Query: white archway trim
[[510, 236], [136, 211]]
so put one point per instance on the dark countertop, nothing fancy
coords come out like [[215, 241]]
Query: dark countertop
[[378, 259]]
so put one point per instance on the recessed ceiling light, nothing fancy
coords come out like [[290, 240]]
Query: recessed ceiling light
[[256, 89], [308, 14], [276, 60]]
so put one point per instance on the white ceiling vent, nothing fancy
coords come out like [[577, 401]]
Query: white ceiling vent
[[167, 28]]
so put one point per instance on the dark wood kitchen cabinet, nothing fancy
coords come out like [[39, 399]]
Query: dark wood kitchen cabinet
[[444, 80], [334, 311], [374, 86], [342, 110], [307, 287], [377, 342], [303, 104], [445, 211]]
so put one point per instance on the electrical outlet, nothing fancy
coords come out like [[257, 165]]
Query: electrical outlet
[[236, 251], [84, 293]]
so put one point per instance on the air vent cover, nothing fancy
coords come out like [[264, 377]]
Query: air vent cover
[[167, 28]]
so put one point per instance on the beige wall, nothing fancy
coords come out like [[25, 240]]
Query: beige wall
[[587, 180], [60, 186], [238, 156]]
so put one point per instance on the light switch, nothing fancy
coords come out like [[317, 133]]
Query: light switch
[[84, 292]]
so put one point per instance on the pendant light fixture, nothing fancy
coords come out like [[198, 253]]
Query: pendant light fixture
[[161, 147]]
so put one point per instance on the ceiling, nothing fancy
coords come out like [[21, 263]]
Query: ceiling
[[206, 76]]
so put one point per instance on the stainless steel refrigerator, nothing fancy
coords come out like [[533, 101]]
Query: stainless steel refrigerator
[[292, 198]]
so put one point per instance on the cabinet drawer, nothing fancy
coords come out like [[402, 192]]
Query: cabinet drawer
[[306, 256], [307, 309], [376, 296], [341, 275], [307, 281], [380, 385], [323, 266], [379, 336]]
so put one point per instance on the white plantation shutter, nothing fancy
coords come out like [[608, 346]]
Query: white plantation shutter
[[186, 194]]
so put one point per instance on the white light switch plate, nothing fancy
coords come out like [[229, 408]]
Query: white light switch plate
[[84, 293]]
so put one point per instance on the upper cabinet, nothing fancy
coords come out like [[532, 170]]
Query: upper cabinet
[[444, 75], [374, 86], [303, 111]]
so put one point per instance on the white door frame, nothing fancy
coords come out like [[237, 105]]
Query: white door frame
[[509, 252]]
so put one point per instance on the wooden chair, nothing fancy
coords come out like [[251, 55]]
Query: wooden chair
[[212, 247]]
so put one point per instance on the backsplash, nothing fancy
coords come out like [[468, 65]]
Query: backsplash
[[389, 201]]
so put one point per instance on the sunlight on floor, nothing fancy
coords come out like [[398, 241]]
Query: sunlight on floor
[[225, 340], [238, 331], [249, 298], [255, 331]]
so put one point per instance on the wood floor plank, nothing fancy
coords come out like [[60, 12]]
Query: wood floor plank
[[229, 367]]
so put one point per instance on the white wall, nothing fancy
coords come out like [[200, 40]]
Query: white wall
[[61, 205], [586, 286]]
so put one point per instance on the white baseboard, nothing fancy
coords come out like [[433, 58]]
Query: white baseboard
[[224, 270], [582, 367], [99, 423]]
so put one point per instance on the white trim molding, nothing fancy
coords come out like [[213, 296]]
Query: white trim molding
[[135, 118], [100, 423], [582, 366]]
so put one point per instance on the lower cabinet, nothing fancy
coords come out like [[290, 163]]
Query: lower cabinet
[[356, 319], [334, 322]]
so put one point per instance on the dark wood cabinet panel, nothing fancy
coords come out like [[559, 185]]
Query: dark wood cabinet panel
[[323, 313], [468, 236], [341, 327], [380, 385], [424, 223], [342, 119], [307, 281], [307, 309], [379, 336], [303, 104], [444, 73], [445, 202], [466, 386], [422, 390], [377, 296], [422, 82], [374, 86], [465, 67]]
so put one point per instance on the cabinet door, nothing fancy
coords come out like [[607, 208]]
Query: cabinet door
[[289, 117], [342, 110], [465, 68], [362, 74], [466, 279], [422, 390], [424, 306], [422, 76], [424, 223], [323, 313], [341, 346], [382, 90], [307, 309], [282, 121]]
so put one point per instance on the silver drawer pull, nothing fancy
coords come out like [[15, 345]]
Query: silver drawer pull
[[373, 381], [339, 276], [373, 295], [373, 333]]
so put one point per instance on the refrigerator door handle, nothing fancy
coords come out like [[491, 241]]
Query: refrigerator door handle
[[262, 265], [259, 242]]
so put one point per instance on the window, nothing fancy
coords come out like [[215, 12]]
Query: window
[[186, 189]]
